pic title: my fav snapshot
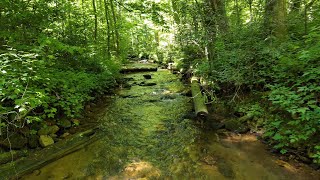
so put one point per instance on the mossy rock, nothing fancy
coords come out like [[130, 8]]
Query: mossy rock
[[236, 126], [16, 141], [45, 140], [48, 130], [246, 118], [33, 141], [64, 123]]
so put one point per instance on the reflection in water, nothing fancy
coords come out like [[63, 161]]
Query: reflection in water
[[147, 136]]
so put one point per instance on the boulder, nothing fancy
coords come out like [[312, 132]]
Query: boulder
[[45, 140], [48, 130]]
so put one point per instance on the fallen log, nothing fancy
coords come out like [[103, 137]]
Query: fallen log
[[137, 69], [37, 160], [198, 99]]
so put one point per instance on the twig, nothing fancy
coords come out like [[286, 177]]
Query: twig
[[120, 4], [236, 94]]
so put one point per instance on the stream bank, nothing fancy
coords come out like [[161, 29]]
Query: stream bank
[[148, 133]]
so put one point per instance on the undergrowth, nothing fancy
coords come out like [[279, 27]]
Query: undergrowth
[[45, 83]]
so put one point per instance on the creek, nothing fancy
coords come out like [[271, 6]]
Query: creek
[[147, 135]]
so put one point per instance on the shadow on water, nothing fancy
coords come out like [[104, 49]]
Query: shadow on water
[[146, 135]]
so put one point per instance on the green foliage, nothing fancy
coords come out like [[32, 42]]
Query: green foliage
[[297, 99], [56, 65], [31, 86], [19, 72], [243, 50]]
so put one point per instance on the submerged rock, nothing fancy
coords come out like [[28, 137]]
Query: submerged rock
[[225, 168], [45, 140], [141, 170], [147, 76], [147, 84], [126, 86]]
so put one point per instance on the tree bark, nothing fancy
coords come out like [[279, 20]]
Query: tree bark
[[223, 22], [95, 33], [108, 28], [198, 100], [116, 31], [295, 6], [175, 12], [84, 20], [275, 18], [209, 24]]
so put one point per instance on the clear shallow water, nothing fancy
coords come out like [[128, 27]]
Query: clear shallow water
[[147, 137]]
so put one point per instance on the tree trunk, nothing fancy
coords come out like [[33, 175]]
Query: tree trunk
[[95, 33], [108, 28], [295, 6], [115, 27], [250, 9], [209, 23], [198, 100], [275, 18], [221, 14], [175, 10], [84, 21]]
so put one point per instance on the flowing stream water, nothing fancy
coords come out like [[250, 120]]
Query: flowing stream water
[[147, 136]]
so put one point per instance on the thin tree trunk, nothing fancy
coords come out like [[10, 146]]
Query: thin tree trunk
[[251, 12], [115, 27], [175, 10], [95, 34], [108, 28], [295, 6], [211, 31], [305, 18], [84, 20], [238, 14]]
